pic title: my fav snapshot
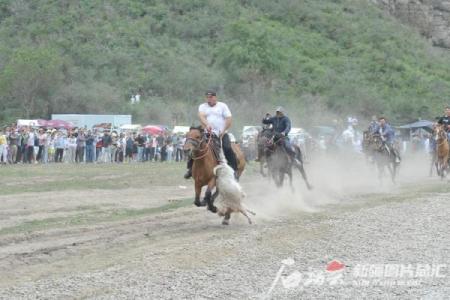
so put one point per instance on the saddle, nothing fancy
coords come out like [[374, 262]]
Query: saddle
[[216, 145]]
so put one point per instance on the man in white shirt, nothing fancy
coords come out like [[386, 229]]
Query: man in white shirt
[[216, 117]]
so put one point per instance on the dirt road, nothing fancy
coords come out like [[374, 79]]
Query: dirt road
[[142, 243]]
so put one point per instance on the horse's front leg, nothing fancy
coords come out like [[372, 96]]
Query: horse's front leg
[[208, 196], [198, 190]]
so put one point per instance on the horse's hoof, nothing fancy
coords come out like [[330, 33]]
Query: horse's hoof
[[310, 187], [212, 208], [225, 222]]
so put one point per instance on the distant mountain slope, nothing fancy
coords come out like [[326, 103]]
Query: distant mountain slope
[[312, 56]]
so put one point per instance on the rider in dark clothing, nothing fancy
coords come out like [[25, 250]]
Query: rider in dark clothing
[[387, 134], [281, 124], [445, 120]]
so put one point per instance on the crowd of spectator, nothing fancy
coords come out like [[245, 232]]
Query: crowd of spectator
[[29, 145]]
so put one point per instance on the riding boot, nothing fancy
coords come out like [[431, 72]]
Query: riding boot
[[189, 169]]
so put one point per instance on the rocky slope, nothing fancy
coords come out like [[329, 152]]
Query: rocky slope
[[431, 17]]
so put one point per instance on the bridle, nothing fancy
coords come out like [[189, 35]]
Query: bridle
[[441, 134], [197, 143], [273, 142]]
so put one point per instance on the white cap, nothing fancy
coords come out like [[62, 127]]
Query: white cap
[[280, 109]]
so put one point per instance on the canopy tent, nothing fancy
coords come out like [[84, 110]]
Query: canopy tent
[[421, 124]]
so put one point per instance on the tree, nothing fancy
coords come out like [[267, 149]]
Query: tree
[[250, 54], [29, 79]]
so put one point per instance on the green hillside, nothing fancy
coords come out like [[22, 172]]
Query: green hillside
[[318, 58]]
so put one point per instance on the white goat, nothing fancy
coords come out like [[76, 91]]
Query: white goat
[[229, 198]]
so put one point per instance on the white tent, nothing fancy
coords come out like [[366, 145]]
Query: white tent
[[133, 127], [22, 122], [181, 129]]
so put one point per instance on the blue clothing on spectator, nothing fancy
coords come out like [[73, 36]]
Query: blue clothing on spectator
[[60, 143]]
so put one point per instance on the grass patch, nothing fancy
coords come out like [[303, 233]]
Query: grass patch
[[19, 179], [93, 217]]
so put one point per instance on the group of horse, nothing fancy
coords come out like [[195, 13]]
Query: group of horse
[[376, 151], [204, 149]]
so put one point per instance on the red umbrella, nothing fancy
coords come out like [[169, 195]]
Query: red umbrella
[[152, 129], [59, 124]]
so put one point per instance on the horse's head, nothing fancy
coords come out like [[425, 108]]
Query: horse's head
[[194, 139], [440, 134]]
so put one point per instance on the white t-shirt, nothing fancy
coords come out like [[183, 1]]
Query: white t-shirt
[[216, 115]]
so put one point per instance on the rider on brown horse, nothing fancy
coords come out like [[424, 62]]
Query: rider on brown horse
[[216, 118]]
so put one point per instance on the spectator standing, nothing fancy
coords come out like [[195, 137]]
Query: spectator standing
[[114, 145], [13, 141], [169, 152], [106, 147], [129, 143], [71, 147], [154, 144], [51, 145], [60, 145], [179, 148], [81, 145], [90, 147], [3, 147], [140, 147], [42, 152], [30, 146]]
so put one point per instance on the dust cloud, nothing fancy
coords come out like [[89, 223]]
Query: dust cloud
[[335, 179]]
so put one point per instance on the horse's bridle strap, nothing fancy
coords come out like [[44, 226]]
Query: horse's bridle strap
[[201, 150]]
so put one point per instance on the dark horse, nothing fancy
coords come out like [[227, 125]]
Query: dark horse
[[262, 140], [280, 163], [383, 156], [204, 151]]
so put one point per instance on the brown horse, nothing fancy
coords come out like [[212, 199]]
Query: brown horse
[[442, 151], [205, 159]]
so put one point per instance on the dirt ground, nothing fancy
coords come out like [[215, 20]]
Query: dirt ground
[[131, 231]]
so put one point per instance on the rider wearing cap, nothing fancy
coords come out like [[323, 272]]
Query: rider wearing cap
[[216, 118], [387, 134], [445, 121], [281, 124]]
